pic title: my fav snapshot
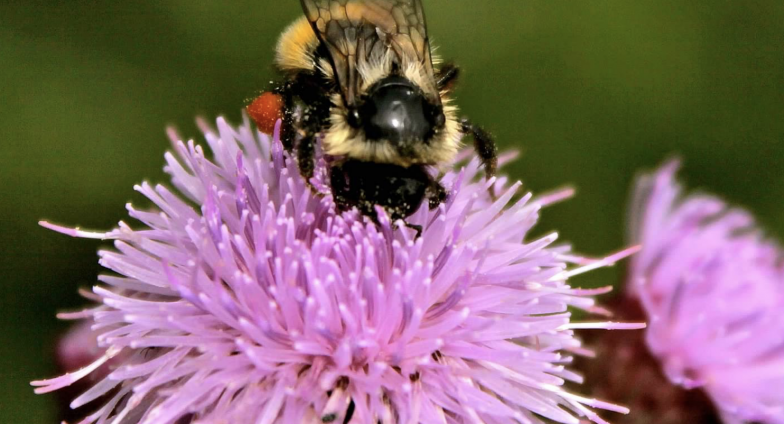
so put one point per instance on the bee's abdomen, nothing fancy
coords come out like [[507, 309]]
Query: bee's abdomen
[[398, 190]]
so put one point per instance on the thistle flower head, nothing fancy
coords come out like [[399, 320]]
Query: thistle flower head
[[246, 298], [713, 289]]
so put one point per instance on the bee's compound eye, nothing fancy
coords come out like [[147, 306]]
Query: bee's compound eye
[[354, 118]]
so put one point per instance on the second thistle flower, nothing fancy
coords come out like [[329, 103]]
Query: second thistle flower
[[713, 289]]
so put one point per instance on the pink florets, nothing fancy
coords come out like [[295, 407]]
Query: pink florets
[[250, 300], [713, 289]]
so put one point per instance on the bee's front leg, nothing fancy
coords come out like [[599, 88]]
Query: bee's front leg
[[485, 147], [447, 76]]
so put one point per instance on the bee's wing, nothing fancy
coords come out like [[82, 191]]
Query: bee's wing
[[356, 30]]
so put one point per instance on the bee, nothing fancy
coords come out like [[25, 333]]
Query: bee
[[360, 79]]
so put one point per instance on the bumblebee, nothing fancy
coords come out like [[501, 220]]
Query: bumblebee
[[360, 79]]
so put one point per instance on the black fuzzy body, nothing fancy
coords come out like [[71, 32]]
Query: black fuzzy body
[[393, 111], [383, 136], [398, 190]]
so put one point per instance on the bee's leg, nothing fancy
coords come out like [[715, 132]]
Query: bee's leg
[[301, 124], [337, 181], [287, 128], [306, 159], [436, 194], [485, 147], [417, 228], [310, 89], [446, 77]]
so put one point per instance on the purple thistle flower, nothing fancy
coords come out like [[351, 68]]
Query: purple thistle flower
[[713, 289], [249, 300]]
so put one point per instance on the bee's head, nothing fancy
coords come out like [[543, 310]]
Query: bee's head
[[396, 110]]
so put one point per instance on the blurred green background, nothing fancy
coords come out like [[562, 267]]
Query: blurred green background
[[590, 91]]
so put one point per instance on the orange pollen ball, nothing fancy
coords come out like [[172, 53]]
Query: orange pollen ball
[[266, 110]]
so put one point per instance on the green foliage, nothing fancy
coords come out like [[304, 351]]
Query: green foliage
[[589, 91]]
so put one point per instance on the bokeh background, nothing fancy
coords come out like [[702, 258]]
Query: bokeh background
[[591, 92]]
